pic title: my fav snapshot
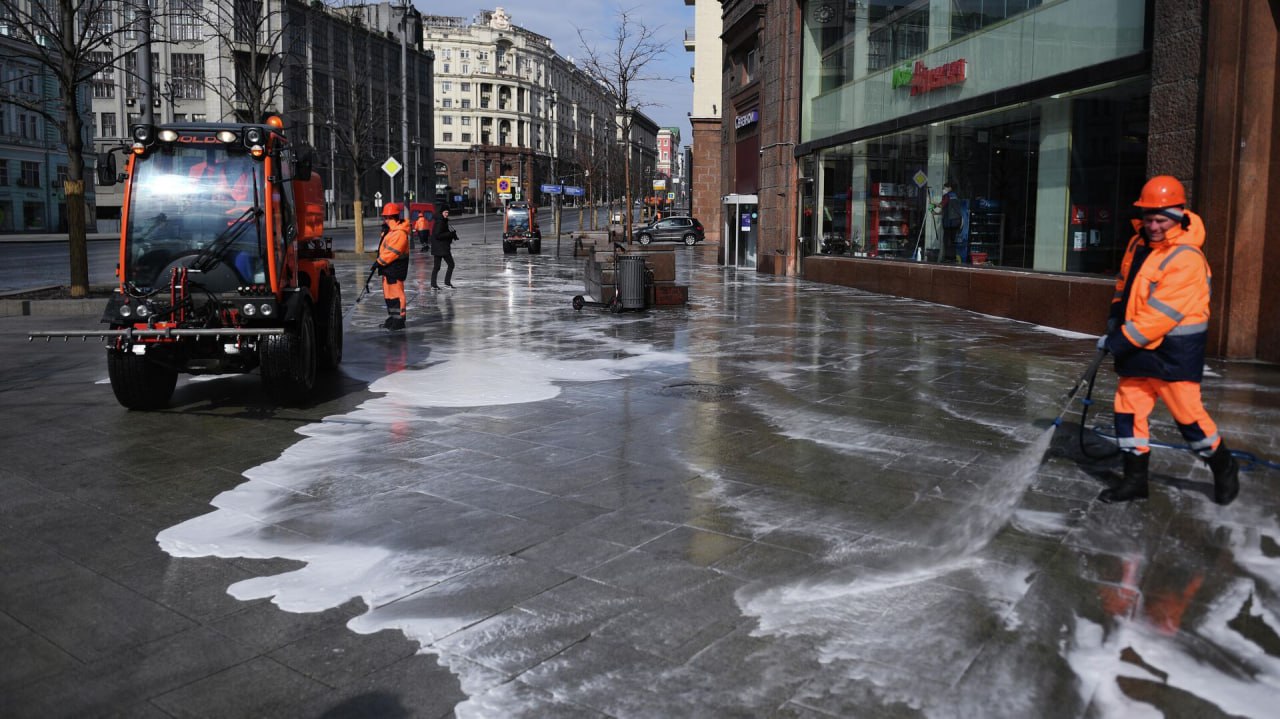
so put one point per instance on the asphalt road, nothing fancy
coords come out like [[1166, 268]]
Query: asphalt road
[[26, 265]]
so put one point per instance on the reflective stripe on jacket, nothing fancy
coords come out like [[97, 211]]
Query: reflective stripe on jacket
[[1163, 290], [393, 251]]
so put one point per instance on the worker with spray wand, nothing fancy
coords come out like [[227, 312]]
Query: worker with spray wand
[[1157, 330]]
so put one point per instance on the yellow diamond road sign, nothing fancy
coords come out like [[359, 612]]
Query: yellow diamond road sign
[[391, 167]]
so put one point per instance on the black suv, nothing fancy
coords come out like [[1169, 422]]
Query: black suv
[[670, 229]]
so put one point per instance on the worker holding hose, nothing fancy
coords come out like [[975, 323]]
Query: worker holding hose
[[1157, 331], [393, 263]]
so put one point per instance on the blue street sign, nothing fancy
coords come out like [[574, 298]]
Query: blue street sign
[[575, 191], [552, 189]]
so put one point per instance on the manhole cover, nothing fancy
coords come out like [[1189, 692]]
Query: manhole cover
[[699, 390]]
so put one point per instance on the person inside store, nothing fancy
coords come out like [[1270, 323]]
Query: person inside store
[[1157, 329], [393, 264], [949, 210], [442, 237]]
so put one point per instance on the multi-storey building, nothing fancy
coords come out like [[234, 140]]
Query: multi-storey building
[[1044, 117], [703, 40], [333, 73], [667, 163], [508, 104], [33, 155]]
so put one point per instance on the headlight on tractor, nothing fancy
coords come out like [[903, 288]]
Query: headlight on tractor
[[248, 310], [267, 309], [126, 311], [142, 311]]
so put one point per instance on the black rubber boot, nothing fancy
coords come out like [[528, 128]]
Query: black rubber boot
[[397, 323], [388, 322], [1134, 484], [1226, 474]]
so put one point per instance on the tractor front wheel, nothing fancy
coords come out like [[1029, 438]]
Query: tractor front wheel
[[289, 360], [139, 383], [329, 327]]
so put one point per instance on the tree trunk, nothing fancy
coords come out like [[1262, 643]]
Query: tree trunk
[[357, 208], [73, 187]]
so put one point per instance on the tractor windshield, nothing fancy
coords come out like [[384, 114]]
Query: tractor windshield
[[198, 208], [517, 220]]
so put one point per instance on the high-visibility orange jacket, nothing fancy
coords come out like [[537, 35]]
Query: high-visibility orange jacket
[[393, 251], [1162, 301]]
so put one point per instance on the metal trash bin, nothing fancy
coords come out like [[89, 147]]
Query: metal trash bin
[[631, 281]]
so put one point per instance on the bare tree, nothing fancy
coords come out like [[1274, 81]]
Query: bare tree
[[618, 66], [356, 124], [70, 41]]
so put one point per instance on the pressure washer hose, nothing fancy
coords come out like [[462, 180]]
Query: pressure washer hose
[[1248, 460]]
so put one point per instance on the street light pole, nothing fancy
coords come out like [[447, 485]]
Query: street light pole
[[333, 171]]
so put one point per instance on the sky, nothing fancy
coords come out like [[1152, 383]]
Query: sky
[[668, 101]]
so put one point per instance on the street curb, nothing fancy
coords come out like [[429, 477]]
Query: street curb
[[52, 308]]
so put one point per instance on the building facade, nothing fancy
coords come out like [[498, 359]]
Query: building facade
[[33, 155], [704, 119], [333, 73], [508, 104], [1044, 118]]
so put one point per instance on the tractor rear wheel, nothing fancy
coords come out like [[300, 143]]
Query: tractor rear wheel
[[139, 383], [535, 247], [289, 360], [329, 327], [508, 248]]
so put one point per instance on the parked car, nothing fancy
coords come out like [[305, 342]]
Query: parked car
[[670, 229]]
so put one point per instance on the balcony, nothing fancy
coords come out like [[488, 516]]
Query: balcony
[[689, 34]]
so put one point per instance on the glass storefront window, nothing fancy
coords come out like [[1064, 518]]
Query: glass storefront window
[[866, 62], [1044, 185]]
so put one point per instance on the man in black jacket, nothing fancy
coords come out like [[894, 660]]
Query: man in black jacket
[[442, 237]]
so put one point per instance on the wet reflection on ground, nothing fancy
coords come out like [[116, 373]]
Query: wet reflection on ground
[[785, 498]]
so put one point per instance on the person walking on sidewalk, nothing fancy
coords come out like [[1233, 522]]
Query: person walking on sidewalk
[[442, 237], [1157, 330], [393, 263]]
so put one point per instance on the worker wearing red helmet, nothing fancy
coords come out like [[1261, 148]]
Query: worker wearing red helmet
[[1157, 330], [393, 263]]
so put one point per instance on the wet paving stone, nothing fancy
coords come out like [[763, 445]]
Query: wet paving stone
[[786, 499]]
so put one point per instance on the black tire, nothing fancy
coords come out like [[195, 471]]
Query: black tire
[[691, 239], [578, 302], [508, 248], [644, 239], [535, 247], [289, 360], [329, 328], [139, 383]]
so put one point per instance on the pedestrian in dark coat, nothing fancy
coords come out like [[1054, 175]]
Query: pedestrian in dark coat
[[442, 237]]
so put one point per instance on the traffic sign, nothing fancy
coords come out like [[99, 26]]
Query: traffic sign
[[574, 191], [392, 167], [377, 195], [504, 186], [552, 189]]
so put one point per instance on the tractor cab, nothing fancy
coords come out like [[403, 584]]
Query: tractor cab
[[520, 228]]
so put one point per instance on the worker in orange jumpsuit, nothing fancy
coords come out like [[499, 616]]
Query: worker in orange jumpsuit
[[393, 264], [421, 230], [1157, 330]]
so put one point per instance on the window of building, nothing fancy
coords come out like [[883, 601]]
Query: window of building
[[446, 102], [188, 76], [446, 119], [446, 68], [4, 172], [446, 54], [464, 54], [465, 86], [466, 69], [62, 174], [448, 137], [29, 174], [446, 86], [108, 125], [466, 137], [28, 126], [466, 103], [186, 20], [104, 80], [466, 119], [482, 55], [199, 117], [1042, 185]]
